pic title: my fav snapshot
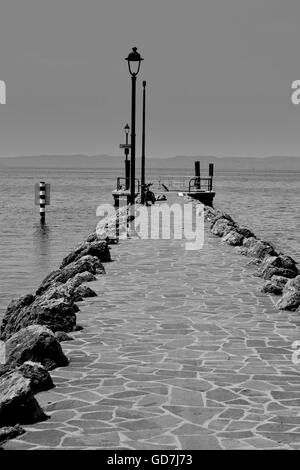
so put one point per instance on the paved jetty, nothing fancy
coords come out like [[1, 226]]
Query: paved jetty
[[180, 350]]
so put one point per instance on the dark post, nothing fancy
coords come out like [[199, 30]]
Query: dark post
[[211, 174], [132, 160], [42, 201], [197, 174], [134, 60], [127, 172], [127, 162], [143, 147]]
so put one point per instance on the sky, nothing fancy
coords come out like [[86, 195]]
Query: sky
[[218, 72]]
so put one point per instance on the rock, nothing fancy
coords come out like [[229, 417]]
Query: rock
[[85, 263], [98, 248], [15, 307], [10, 432], [82, 292], [56, 314], [35, 343], [248, 242], [222, 215], [68, 290], [258, 248], [291, 295], [62, 336], [283, 272], [221, 227], [209, 213], [40, 379], [275, 285], [17, 403], [270, 288], [233, 238], [277, 265], [245, 232]]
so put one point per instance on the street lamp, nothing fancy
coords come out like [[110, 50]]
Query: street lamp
[[134, 60], [127, 162]]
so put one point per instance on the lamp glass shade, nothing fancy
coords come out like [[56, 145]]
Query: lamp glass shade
[[134, 60]]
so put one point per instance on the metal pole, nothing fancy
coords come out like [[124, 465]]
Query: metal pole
[[211, 174], [127, 165], [42, 201], [132, 162], [143, 147], [197, 173]]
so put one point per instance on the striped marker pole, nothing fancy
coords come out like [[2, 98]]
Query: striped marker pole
[[42, 201]]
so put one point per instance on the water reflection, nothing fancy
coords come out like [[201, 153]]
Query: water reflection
[[42, 247]]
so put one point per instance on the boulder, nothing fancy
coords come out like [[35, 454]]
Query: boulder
[[83, 292], [209, 213], [56, 314], [17, 402], [40, 379], [275, 285], [98, 248], [221, 227], [283, 272], [291, 295], [222, 215], [245, 232], [10, 432], [258, 248], [35, 343], [281, 265], [68, 290], [62, 336], [248, 242], [87, 263], [233, 238]]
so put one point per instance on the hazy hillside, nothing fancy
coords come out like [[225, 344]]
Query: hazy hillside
[[186, 162]]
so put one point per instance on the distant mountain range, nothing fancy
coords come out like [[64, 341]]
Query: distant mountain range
[[178, 162]]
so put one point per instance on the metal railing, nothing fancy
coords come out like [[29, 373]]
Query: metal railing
[[184, 183], [121, 184], [200, 184]]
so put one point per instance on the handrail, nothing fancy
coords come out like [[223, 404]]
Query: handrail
[[198, 180], [121, 178]]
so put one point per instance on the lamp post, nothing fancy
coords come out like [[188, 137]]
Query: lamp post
[[134, 60], [127, 162], [143, 147]]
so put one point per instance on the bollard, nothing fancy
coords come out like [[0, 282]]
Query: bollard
[[42, 201], [197, 173]]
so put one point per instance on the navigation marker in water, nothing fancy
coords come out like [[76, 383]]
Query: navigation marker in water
[[42, 198]]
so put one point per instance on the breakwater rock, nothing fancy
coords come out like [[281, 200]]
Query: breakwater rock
[[32, 328], [17, 402], [279, 270]]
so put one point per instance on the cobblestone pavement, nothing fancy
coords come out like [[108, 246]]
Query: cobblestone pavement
[[179, 351]]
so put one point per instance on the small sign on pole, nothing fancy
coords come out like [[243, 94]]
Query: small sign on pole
[[125, 146]]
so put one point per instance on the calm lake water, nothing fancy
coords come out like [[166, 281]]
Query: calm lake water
[[267, 202]]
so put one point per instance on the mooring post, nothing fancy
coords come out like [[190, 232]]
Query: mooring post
[[211, 174], [197, 174], [42, 202]]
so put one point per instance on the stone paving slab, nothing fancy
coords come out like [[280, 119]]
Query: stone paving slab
[[180, 350]]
